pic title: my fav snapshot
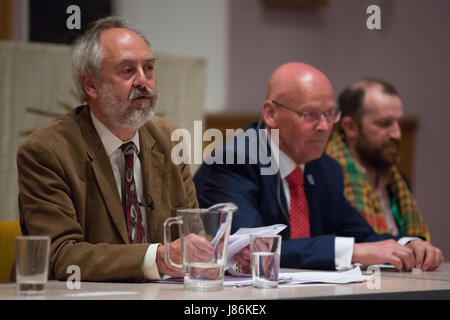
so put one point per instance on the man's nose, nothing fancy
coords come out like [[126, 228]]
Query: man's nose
[[140, 80], [323, 123], [396, 131]]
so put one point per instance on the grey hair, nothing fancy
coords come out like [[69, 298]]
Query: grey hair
[[87, 55]]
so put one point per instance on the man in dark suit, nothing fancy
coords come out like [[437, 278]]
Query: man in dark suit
[[324, 230], [99, 180]]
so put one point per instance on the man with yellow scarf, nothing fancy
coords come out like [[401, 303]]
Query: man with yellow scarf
[[367, 147]]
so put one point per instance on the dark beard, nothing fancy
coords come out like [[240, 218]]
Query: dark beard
[[379, 156]]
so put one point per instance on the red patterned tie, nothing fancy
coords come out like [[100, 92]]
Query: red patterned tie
[[130, 204], [299, 211]]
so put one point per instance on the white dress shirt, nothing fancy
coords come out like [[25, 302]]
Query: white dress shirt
[[112, 146]]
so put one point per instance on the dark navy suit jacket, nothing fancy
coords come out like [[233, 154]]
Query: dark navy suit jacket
[[260, 204]]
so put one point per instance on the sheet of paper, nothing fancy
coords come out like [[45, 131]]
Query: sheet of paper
[[353, 275], [219, 235], [298, 278], [241, 238]]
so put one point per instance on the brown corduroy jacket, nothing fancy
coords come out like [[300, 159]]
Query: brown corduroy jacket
[[67, 191]]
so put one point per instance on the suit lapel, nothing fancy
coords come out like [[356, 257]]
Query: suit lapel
[[313, 198], [152, 163], [273, 181], [101, 166], [278, 195]]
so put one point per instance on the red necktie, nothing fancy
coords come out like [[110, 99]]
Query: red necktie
[[299, 211], [130, 204]]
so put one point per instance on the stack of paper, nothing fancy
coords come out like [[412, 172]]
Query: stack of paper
[[297, 278]]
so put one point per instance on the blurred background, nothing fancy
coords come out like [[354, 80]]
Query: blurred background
[[214, 60]]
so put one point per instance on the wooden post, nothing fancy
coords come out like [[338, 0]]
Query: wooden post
[[6, 19]]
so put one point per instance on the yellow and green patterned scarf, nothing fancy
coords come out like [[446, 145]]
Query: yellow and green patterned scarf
[[362, 196]]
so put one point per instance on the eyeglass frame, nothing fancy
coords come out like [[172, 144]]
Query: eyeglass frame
[[302, 114]]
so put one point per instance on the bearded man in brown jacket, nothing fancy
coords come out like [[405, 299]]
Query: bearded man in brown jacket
[[104, 211]]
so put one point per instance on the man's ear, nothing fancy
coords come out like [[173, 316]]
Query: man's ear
[[90, 86], [269, 115], [350, 127]]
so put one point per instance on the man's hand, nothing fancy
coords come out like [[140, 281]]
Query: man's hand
[[198, 250], [427, 256], [387, 251], [243, 258], [176, 255]]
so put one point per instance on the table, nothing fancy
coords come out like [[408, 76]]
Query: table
[[442, 273], [392, 285]]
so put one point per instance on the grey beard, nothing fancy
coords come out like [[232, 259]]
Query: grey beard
[[125, 113]]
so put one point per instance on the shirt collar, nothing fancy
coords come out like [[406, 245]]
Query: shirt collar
[[109, 140], [286, 164]]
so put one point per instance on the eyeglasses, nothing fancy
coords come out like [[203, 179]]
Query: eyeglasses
[[313, 117]]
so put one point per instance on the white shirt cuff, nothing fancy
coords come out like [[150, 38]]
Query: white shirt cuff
[[405, 240], [343, 252], [149, 266]]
